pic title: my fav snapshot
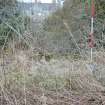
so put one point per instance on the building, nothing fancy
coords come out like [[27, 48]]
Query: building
[[37, 8]]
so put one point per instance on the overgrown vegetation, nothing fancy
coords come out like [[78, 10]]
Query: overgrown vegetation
[[72, 14], [12, 23], [47, 64]]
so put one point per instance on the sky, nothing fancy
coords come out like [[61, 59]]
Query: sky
[[43, 1]]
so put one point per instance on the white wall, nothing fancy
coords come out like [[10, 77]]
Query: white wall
[[42, 1]]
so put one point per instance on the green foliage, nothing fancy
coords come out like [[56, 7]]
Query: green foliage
[[7, 32], [4, 3], [10, 16], [54, 23], [71, 13], [100, 7], [7, 14]]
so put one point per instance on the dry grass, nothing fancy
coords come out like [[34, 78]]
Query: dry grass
[[57, 82]]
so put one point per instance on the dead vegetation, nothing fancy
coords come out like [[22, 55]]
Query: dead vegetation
[[60, 81]]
